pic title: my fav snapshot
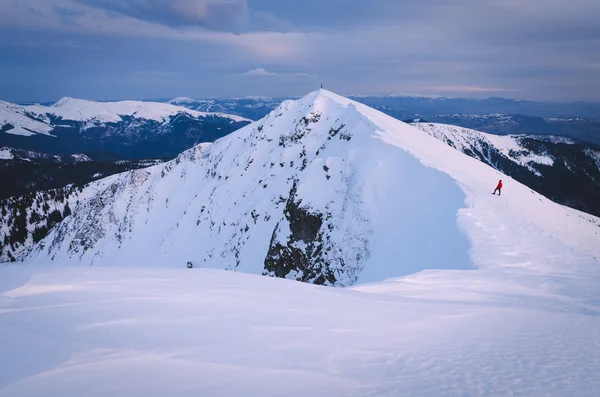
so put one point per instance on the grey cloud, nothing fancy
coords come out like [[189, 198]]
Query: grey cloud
[[210, 14], [534, 49], [68, 15]]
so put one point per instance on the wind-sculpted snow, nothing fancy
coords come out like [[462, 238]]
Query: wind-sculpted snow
[[199, 332]]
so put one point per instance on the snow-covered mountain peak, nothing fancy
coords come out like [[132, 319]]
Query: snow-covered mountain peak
[[182, 100], [83, 110], [323, 190], [68, 101]]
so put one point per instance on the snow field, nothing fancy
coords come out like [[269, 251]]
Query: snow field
[[180, 332]]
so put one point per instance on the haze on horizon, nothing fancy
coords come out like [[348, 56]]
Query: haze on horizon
[[140, 49]]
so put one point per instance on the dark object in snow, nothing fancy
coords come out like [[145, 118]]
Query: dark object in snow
[[190, 265]]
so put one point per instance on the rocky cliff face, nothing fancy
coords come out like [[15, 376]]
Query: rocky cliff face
[[297, 246]]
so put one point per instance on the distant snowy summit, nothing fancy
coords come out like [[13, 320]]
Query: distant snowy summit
[[323, 190], [106, 112], [126, 129]]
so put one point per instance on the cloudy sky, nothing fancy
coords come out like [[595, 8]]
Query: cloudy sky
[[143, 49]]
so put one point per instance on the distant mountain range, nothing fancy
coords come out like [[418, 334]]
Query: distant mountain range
[[253, 108], [111, 130], [578, 120]]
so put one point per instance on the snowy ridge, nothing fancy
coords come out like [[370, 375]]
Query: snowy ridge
[[324, 190], [557, 167], [80, 158], [38, 119], [555, 139], [182, 100], [467, 139], [79, 109], [17, 120]]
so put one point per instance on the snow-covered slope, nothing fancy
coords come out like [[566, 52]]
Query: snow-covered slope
[[324, 190], [565, 171], [467, 140], [29, 120], [18, 120], [111, 130], [185, 333]]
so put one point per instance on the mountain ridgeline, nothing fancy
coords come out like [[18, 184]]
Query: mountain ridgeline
[[323, 190], [287, 196], [111, 130], [291, 195], [560, 169], [577, 120]]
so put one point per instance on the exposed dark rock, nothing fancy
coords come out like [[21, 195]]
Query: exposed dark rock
[[299, 253]]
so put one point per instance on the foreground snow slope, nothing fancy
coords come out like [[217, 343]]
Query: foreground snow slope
[[176, 332]]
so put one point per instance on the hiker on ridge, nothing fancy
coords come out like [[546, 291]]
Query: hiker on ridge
[[498, 188]]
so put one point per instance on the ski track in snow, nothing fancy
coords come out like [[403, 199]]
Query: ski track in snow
[[524, 322]]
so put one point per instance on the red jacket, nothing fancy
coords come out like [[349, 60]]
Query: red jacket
[[499, 185]]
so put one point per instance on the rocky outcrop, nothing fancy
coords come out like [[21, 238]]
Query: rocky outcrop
[[297, 247]]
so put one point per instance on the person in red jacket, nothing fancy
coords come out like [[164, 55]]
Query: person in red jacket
[[498, 188]]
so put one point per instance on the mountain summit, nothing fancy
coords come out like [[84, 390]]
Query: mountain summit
[[328, 191]]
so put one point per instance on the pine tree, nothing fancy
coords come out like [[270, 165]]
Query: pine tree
[[54, 218], [39, 233]]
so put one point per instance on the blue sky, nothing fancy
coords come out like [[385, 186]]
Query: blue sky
[[142, 49]]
